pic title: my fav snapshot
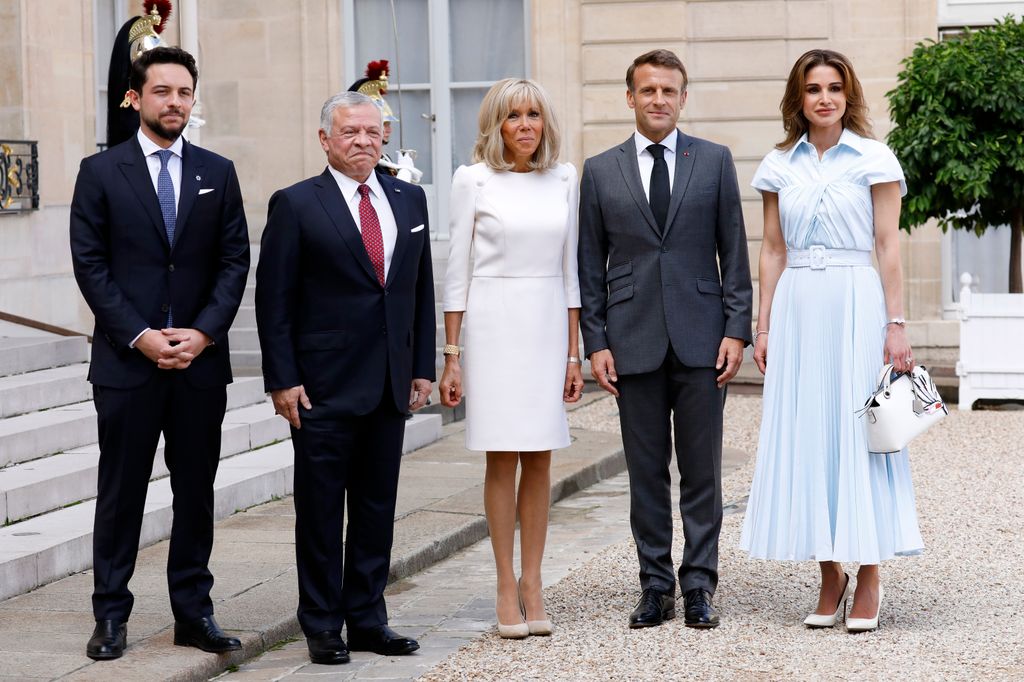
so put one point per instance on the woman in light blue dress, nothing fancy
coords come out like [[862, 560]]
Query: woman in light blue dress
[[826, 324]]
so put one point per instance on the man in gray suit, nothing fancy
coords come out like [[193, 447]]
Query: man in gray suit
[[665, 283]]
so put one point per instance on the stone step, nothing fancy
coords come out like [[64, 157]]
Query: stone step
[[244, 338], [246, 317], [20, 354], [37, 434], [53, 545], [249, 295], [49, 483], [44, 389], [247, 363]]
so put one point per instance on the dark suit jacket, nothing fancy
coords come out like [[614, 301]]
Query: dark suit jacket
[[130, 275], [324, 320], [642, 289]]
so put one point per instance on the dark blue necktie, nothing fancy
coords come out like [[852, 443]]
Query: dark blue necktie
[[659, 192], [165, 195]]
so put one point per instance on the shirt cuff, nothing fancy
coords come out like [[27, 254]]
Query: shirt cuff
[[139, 336]]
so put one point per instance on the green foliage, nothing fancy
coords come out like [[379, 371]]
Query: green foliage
[[958, 112]]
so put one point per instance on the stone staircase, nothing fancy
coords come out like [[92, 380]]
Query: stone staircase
[[49, 456]]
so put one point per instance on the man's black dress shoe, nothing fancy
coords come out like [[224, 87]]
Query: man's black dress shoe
[[108, 640], [654, 608], [327, 648], [381, 640], [699, 611], [205, 634]]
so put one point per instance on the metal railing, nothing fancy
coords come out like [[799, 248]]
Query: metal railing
[[19, 176]]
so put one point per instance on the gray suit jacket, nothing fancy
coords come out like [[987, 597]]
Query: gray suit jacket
[[643, 289]]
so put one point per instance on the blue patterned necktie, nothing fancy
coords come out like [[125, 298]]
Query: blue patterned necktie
[[165, 195]]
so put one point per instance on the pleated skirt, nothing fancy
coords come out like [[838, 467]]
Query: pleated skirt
[[817, 493]]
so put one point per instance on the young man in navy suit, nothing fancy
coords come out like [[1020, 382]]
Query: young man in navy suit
[[161, 253], [345, 310]]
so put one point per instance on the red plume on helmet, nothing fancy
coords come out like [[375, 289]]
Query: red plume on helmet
[[163, 8], [377, 71]]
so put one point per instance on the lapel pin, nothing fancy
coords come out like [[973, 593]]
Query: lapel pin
[[686, 153], [198, 178], [398, 190]]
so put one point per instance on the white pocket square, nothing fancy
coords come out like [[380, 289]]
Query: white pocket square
[[417, 228], [204, 191]]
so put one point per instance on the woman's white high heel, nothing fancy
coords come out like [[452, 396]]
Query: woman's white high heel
[[816, 620], [866, 624]]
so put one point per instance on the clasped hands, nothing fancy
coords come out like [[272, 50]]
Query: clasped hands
[[730, 357], [173, 348]]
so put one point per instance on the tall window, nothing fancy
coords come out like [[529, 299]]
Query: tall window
[[450, 52]]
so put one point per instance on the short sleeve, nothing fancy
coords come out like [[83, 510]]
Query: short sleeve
[[883, 166], [768, 177], [461, 224]]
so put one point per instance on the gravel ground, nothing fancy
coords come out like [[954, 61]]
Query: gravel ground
[[951, 613]]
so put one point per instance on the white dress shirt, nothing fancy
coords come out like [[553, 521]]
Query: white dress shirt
[[388, 227], [149, 150], [646, 161]]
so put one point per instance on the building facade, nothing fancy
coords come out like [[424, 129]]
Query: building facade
[[266, 68]]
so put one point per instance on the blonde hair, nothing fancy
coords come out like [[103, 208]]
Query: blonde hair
[[502, 98], [792, 105]]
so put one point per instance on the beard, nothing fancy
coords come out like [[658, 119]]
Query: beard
[[168, 133]]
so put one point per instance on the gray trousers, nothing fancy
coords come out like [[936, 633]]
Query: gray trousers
[[686, 401]]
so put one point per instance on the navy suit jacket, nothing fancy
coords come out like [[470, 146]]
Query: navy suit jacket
[[130, 275], [325, 322]]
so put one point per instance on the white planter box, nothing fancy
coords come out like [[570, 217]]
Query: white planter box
[[991, 327]]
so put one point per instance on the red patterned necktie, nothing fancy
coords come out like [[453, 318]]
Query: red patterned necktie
[[372, 238]]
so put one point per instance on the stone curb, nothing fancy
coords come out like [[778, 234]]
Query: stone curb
[[152, 656]]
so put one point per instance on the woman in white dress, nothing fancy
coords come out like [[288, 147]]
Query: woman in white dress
[[826, 324], [511, 288]]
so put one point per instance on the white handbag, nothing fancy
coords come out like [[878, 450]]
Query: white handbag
[[901, 408]]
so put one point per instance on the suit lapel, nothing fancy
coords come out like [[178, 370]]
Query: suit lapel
[[631, 175], [685, 156], [334, 205], [394, 197], [191, 176], [136, 171]]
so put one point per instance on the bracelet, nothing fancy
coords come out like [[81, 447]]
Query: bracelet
[[761, 331], [897, 320], [573, 360], [451, 349]]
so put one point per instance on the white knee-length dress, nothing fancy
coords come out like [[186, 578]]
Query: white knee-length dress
[[512, 270]]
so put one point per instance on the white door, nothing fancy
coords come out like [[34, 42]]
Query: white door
[[451, 52]]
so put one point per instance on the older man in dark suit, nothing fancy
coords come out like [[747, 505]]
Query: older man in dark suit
[[666, 293], [345, 309], [161, 252]]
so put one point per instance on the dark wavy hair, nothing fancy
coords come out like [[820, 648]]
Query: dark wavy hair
[[161, 55], [792, 105]]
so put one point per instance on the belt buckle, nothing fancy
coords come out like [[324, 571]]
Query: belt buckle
[[817, 253]]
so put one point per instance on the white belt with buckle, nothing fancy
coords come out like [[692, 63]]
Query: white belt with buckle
[[819, 258]]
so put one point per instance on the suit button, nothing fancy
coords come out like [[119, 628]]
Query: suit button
[[664, 249], [164, 308], [384, 331], [171, 267]]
